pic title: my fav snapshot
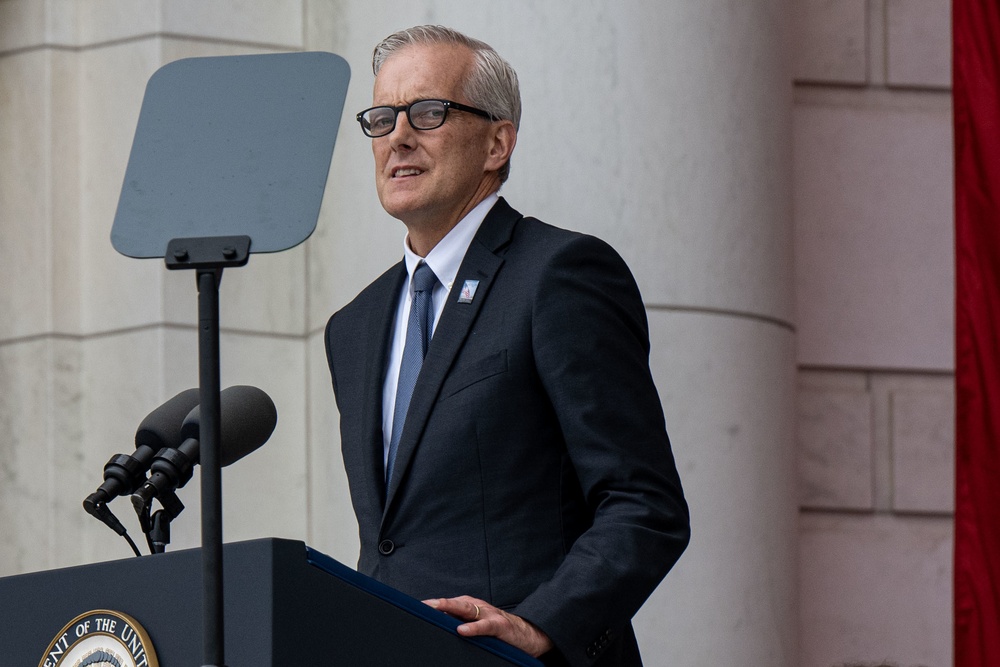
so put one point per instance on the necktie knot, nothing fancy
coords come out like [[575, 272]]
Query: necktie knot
[[423, 278]]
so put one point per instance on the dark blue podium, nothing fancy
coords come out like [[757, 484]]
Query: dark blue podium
[[285, 604]]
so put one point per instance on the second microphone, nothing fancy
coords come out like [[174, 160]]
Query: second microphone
[[248, 418]]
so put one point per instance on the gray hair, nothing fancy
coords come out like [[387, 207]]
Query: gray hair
[[491, 85]]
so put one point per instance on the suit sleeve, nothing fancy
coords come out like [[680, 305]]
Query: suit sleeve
[[591, 345]]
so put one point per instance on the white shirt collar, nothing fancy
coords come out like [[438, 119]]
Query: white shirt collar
[[446, 257]]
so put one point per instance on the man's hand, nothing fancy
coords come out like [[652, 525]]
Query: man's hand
[[482, 618]]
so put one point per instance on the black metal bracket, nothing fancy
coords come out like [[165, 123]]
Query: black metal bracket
[[208, 252]]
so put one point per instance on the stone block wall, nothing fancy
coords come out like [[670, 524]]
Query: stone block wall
[[874, 256]]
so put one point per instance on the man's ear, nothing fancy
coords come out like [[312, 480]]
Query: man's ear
[[503, 136]]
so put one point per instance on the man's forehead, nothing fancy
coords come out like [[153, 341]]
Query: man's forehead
[[434, 69], [430, 52]]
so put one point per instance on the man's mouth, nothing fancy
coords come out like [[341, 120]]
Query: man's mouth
[[406, 171]]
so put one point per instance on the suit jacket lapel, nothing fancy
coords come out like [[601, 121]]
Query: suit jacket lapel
[[481, 262], [376, 353]]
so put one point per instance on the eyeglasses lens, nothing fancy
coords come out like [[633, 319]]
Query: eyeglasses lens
[[423, 115], [379, 121], [427, 115]]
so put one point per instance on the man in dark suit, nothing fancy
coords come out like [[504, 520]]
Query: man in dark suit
[[504, 442]]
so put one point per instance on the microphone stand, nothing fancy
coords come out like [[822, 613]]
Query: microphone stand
[[208, 256], [157, 527]]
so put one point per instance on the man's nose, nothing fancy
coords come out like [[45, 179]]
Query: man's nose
[[401, 135]]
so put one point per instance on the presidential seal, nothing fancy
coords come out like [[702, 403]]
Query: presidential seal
[[101, 638]]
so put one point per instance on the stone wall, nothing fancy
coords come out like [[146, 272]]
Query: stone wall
[[875, 296]]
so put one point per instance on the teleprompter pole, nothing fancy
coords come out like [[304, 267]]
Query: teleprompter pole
[[211, 471], [208, 256]]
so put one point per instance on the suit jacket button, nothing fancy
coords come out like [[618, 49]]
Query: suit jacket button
[[386, 547]]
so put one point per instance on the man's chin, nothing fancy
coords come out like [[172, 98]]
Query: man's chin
[[402, 206]]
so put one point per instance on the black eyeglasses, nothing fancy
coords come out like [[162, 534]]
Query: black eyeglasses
[[422, 115]]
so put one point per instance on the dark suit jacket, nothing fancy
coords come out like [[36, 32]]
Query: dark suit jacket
[[534, 469]]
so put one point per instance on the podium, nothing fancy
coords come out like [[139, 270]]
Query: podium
[[285, 604]]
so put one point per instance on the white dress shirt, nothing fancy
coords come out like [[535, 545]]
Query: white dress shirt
[[444, 259]]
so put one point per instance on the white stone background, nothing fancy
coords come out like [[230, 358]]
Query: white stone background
[[777, 173]]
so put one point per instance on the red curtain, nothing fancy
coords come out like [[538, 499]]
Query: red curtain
[[976, 95]]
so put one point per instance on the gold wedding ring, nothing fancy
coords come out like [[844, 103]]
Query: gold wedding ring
[[476, 617]]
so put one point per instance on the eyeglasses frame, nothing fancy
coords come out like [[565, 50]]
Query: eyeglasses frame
[[448, 105]]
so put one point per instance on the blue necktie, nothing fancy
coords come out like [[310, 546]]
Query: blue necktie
[[418, 335]]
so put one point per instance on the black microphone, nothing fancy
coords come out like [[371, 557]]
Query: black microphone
[[248, 418], [124, 473]]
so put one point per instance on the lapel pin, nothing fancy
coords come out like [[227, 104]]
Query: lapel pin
[[468, 291]]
